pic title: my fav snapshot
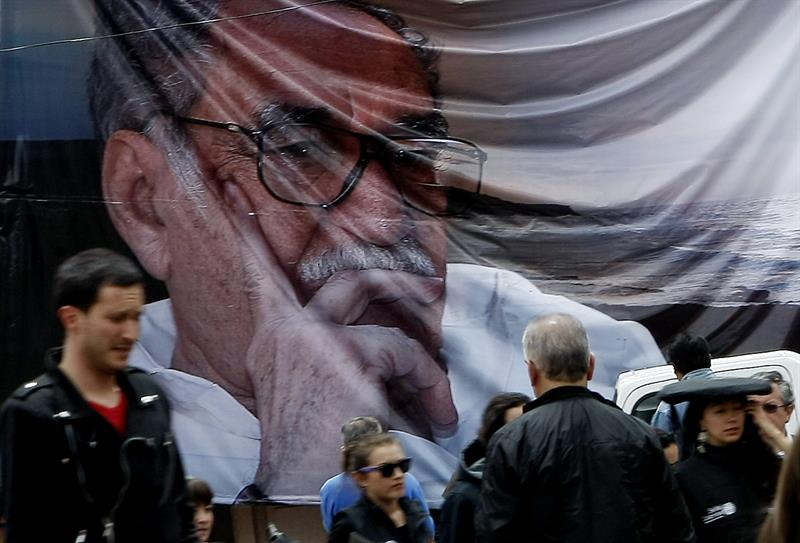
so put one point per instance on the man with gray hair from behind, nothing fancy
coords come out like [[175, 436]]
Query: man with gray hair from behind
[[340, 491], [574, 467]]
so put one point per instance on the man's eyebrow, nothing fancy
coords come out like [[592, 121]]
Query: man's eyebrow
[[431, 125], [278, 113]]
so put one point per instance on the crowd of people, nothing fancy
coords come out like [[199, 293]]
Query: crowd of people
[[203, 170], [566, 466], [576, 468]]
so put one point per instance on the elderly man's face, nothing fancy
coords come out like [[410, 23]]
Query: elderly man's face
[[226, 232], [774, 408]]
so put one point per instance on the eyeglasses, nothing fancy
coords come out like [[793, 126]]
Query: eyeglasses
[[387, 469], [771, 407], [317, 165]]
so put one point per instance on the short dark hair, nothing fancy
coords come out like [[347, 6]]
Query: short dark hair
[[80, 277], [689, 353], [495, 413], [358, 453], [199, 492]]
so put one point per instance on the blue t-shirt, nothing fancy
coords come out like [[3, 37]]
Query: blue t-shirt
[[670, 418], [340, 492]]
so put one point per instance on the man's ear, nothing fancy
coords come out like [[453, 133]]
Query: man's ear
[[590, 373], [533, 373], [69, 317], [134, 173]]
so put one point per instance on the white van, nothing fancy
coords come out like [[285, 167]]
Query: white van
[[637, 390]]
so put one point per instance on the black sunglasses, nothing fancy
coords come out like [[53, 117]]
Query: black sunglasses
[[771, 407], [387, 469]]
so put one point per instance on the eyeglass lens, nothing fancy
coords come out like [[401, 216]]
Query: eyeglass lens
[[387, 470], [770, 407], [311, 164], [306, 163]]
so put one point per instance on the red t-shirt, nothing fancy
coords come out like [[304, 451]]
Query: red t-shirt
[[117, 416]]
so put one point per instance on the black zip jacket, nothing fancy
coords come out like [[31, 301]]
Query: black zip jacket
[[368, 521], [575, 468], [728, 491], [66, 472]]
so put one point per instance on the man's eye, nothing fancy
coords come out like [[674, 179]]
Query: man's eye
[[295, 150], [292, 142]]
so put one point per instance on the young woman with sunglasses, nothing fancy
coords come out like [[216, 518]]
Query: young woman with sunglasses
[[378, 465]]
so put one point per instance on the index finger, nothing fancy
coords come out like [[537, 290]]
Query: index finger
[[345, 296], [266, 280]]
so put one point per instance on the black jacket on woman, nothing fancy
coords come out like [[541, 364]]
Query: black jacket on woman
[[457, 519], [370, 522], [728, 491]]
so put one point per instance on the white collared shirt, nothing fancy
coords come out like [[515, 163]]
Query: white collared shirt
[[485, 314]]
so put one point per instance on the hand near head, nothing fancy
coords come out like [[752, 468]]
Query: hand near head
[[773, 437], [312, 366]]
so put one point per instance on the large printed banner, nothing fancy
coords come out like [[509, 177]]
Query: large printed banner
[[354, 209]]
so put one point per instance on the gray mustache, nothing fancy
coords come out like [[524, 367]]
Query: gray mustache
[[406, 256]]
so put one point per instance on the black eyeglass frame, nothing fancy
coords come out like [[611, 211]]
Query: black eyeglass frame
[[371, 147], [387, 469], [772, 408]]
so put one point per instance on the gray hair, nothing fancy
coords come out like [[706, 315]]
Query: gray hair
[[151, 64], [787, 395], [557, 345], [157, 50], [358, 427]]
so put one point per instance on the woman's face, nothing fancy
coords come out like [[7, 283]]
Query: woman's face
[[377, 487], [724, 422], [203, 521]]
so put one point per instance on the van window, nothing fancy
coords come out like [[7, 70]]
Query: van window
[[646, 406]]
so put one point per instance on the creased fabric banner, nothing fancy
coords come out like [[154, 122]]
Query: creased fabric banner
[[352, 208]]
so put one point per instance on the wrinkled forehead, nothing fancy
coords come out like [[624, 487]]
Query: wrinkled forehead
[[775, 393], [329, 56]]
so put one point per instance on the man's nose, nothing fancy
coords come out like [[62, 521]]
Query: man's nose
[[130, 329], [374, 211]]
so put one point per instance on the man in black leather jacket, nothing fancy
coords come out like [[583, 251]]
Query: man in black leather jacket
[[87, 454], [574, 467]]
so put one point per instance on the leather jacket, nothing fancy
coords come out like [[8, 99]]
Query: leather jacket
[[67, 475], [368, 521]]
